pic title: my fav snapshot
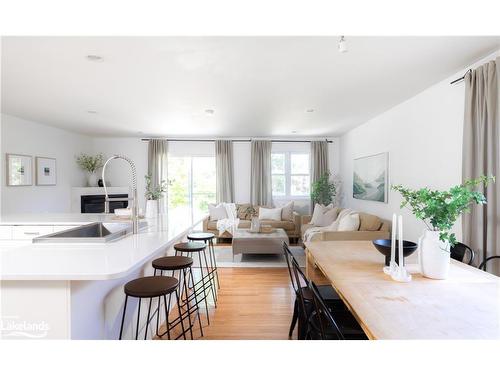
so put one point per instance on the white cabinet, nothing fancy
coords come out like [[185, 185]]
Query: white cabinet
[[27, 232], [5, 232]]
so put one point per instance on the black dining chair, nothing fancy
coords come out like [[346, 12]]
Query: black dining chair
[[459, 251], [327, 292], [483, 264], [325, 324]]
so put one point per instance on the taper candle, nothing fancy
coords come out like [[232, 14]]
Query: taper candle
[[400, 234]]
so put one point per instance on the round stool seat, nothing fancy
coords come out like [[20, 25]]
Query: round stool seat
[[190, 246], [200, 236], [151, 286], [172, 263]]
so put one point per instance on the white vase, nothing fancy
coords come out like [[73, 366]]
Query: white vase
[[151, 208], [92, 179], [433, 255]]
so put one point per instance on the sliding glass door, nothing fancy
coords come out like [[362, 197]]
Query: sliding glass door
[[191, 186]]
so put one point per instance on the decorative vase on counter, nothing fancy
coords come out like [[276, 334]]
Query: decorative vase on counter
[[151, 208], [433, 255], [92, 179]]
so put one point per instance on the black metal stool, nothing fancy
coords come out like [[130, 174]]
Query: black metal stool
[[208, 239], [151, 287], [183, 265], [205, 281]]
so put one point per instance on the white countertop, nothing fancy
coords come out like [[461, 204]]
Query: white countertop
[[23, 260], [56, 219]]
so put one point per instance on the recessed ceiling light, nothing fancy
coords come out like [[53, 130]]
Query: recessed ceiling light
[[294, 131], [310, 110], [343, 45], [92, 111], [94, 58], [209, 111]]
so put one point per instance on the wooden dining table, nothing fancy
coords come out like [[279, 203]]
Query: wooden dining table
[[464, 306]]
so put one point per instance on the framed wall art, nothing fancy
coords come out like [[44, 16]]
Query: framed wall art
[[19, 170], [46, 171]]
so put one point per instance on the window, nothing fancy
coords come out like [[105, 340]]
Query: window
[[191, 186], [290, 174]]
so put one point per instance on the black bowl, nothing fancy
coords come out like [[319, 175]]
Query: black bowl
[[384, 246]]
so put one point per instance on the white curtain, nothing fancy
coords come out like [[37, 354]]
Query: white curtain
[[261, 188], [224, 171], [481, 156], [157, 166], [319, 159]]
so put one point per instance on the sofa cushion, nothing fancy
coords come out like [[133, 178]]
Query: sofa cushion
[[284, 224], [369, 222], [245, 211], [270, 214], [286, 211], [212, 225], [323, 216], [217, 212], [349, 223]]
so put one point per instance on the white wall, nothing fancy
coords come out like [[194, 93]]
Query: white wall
[[118, 171], [424, 139], [21, 136]]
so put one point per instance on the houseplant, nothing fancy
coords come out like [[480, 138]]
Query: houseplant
[[90, 164], [323, 191], [439, 210], [153, 194]]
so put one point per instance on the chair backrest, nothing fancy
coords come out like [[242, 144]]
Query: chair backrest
[[300, 281], [323, 314], [289, 257], [458, 252], [482, 266]]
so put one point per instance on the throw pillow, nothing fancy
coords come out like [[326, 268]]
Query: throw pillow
[[323, 216], [270, 213], [369, 222], [217, 212], [287, 211], [245, 211], [349, 223]]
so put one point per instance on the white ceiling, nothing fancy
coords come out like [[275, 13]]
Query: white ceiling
[[258, 86]]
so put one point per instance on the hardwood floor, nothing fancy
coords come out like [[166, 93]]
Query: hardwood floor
[[253, 303]]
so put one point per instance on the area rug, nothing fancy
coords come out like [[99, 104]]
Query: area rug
[[224, 256]]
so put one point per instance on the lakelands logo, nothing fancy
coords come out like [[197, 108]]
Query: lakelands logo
[[12, 326]]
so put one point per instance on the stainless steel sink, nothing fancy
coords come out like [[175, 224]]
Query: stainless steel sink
[[89, 233]]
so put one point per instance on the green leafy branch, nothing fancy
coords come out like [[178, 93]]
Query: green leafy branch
[[154, 192], [439, 210]]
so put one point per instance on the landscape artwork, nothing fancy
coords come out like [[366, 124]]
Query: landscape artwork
[[370, 178]]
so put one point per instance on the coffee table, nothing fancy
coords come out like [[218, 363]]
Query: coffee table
[[246, 242]]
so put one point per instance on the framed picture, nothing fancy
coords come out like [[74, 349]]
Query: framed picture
[[46, 172], [19, 170], [370, 178]]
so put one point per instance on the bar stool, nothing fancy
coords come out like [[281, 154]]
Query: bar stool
[[190, 248], [151, 287], [182, 264], [208, 239]]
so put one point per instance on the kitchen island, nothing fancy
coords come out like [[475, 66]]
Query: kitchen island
[[75, 290]]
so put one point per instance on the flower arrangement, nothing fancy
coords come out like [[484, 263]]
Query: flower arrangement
[[323, 191], [154, 193], [90, 163], [439, 210]]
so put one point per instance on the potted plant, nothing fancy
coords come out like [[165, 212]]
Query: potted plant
[[323, 191], [90, 164], [439, 210], [153, 194]]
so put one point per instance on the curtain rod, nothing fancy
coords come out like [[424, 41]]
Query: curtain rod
[[461, 78], [234, 140]]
